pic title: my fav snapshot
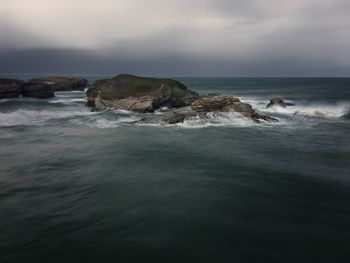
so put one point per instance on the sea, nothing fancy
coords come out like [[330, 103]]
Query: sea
[[82, 186]]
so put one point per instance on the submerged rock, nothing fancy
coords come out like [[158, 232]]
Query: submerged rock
[[39, 90], [139, 94], [10, 88], [64, 83], [278, 102]]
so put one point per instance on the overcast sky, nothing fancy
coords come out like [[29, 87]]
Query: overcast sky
[[176, 37]]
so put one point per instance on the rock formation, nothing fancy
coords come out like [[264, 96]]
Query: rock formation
[[139, 94], [39, 90], [209, 104], [10, 88]]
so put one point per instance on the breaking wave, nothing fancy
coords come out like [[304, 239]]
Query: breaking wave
[[217, 119], [316, 110]]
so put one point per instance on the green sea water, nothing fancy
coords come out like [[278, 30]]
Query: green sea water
[[77, 186]]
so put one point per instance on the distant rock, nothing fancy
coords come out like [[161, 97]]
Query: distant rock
[[10, 88], [39, 90], [139, 94], [64, 83], [278, 102]]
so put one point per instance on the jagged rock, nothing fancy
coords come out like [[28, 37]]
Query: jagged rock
[[171, 117], [10, 88], [37, 90], [128, 92], [220, 103], [278, 102], [211, 103], [205, 105], [63, 83]]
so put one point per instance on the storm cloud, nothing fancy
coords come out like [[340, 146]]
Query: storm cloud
[[183, 38]]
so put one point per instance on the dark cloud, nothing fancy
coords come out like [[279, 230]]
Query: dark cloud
[[203, 38], [80, 62]]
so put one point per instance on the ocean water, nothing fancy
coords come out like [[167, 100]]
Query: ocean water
[[77, 186]]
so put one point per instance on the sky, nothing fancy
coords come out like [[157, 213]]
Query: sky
[[251, 38]]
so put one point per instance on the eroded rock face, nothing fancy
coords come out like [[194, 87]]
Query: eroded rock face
[[64, 83], [279, 103], [141, 105], [212, 103], [39, 90], [128, 92], [10, 88]]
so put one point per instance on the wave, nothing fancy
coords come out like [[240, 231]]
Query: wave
[[217, 119], [227, 119], [68, 101], [34, 117], [328, 111]]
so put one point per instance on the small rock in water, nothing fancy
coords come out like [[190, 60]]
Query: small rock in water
[[278, 102]]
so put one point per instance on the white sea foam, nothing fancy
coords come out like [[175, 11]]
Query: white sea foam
[[315, 110], [211, 120], [217, 119], [34, 117], [67, 100]]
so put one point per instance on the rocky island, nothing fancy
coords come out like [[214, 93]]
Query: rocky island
[[143, 95]]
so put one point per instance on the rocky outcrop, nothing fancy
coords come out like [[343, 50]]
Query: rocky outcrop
[[209, 104], [39, 90], [220, 103], [64, 83], [173, 116], [279, 103], [10, 88], [128, 92], [13, 88], [212, 103]]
